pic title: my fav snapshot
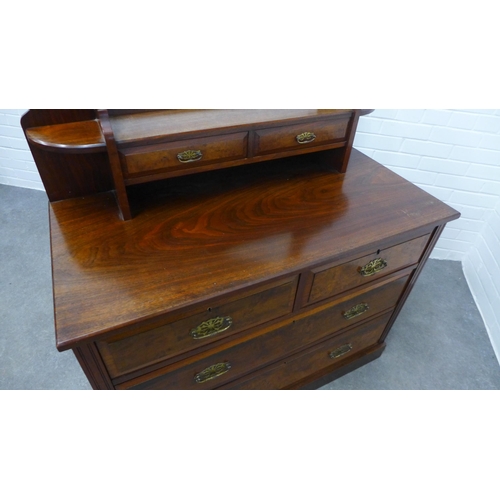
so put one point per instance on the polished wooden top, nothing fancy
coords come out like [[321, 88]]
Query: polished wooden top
[[199, 236]]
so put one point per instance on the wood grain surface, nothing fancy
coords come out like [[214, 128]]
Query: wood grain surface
[[197, 237]]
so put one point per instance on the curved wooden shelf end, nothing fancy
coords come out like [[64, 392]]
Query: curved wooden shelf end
[[76, 137]]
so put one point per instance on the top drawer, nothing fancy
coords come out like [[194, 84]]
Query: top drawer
[[329, 280], [122, 355], [184, 154], [304, 136]]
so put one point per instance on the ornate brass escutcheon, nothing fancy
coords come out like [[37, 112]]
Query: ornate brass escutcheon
[[305, 137], [373, 267], [189, 156], [212, 372], [212, 327], [340, 351], [356, 311]]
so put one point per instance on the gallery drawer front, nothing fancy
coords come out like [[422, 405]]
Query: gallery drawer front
[[330, 281], [333, 353], [240, 357], [123, 355], [182, 155], [304, 136]]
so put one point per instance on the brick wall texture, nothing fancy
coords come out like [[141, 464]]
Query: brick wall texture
[[17, 167], [452, 154]]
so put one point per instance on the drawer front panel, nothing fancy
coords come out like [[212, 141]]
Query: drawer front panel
[[298, 137], [334, 280], [331, 353], [262, 348], [124, 355], [184, 154]]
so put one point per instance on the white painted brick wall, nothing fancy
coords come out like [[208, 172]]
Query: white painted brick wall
[[455, 156], [452, 154], [482, 270], [17, 167]]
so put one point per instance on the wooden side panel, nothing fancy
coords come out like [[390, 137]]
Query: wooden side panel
[[353, 125], [115, 164], [93, 367]]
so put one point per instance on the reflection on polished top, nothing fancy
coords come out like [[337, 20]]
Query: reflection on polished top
[[254, 223]]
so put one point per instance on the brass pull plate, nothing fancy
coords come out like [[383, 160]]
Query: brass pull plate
[[305, 137], [355, 311], [340, 351], [190, 155], [212, 372], [373, 267], [212, 327]]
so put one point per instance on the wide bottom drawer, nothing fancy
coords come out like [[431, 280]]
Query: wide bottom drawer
[[331, 353]]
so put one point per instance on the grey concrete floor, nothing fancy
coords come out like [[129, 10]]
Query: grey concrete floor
[[28, 356], [438, 342]]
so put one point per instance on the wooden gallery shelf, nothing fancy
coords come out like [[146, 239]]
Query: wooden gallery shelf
[[278, 274], [144, 146]]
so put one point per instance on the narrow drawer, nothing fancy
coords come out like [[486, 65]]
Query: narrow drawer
[[329, 281], [332, 353], [237, 358], [123, 355], [184, 154], [273, 140]]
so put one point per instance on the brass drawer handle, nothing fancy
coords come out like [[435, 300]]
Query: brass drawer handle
[[212, 372], [189, 156], [305, 137], [355, 311], [340, 351], [211, 327], [373, 267]]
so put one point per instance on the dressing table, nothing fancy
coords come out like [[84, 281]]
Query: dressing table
[[225, 249]]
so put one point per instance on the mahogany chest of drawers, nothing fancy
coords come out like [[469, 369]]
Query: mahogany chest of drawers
[[276, 274]]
